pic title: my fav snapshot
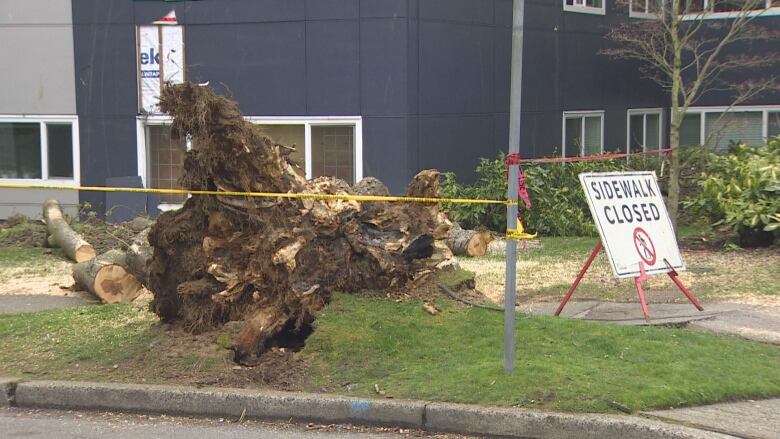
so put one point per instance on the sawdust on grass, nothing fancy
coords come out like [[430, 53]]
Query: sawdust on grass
[[745, 276]]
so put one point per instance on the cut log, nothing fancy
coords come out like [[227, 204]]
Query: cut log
[[60, 234], [138, 256], [468, 242], [105, 277]]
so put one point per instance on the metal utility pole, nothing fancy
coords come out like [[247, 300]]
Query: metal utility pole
[[518, 14]]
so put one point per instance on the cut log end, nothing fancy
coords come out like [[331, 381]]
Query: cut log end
[[113, 284], [477, 246], [85, 253], [468, 242], [105, 277]]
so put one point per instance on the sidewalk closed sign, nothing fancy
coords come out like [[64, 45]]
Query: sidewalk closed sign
[[634, 225]]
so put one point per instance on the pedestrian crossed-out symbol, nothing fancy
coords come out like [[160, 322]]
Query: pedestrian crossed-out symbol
[[644, 246]]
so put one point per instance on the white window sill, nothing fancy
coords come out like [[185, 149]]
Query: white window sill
[[643, 15], [773, 11], [585, 10], [41, 182]]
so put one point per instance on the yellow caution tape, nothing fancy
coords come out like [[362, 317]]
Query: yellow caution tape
[[260, 194], [519, 233]]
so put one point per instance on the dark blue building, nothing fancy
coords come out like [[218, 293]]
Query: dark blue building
[[378, 88]]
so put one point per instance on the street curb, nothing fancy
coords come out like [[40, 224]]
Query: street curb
[[507, 422], [7, 390], [233, 403], [218, 403]]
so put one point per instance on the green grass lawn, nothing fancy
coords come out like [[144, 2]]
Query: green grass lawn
[[454, 356], [86, 343], [562, 364]]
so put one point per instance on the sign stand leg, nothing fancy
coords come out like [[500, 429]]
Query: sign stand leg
[[580, 275], [676, 279], [641, 292]]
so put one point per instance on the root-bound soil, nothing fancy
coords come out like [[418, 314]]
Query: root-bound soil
[[272, 263]]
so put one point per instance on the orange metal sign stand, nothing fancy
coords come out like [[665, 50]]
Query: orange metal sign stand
[[637, 281]]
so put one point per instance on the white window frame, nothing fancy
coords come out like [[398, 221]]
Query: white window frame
[[582, 115], [142, 122], [586, 9], [707, 15], [638, 14], [645, 112], [704, 15], [141, 125], [704, 111], [308, 122], [42, 121]]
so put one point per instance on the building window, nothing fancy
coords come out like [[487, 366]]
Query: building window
[[645, 8], [773, 123], [690, 130], [160, 157], [585, 6], [327, 146], [166, 161], [718, 129], [321, 146], [644, 130], [721, 130], [39, 148], [583, 133], [694, 9]]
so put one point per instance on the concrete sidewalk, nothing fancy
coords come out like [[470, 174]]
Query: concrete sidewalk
[[750, 419], [330, 409], [23, 303], [753, 322]]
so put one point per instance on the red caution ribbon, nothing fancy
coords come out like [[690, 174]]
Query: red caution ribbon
[[522, 189]]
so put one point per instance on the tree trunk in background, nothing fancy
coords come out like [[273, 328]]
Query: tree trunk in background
[[61, 235], [673, 200], [106, 278]]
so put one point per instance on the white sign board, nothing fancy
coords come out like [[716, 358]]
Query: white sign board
[[634, 225], [160, 59]]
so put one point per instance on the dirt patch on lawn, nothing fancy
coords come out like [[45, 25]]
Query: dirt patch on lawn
[[204, 360], [51, 285], [102, 235], [48, 274], [745, 276]]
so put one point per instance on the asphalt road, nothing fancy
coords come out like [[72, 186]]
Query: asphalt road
[[48, 424]]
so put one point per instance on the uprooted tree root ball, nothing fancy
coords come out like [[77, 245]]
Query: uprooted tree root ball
[[272, 263]]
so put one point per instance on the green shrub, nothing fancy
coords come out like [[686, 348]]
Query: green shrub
[[490, 184], [741, 190], [559, 204]]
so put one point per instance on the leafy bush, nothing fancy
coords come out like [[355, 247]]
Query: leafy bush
[[559, 204], [490, 184], [741, 190]]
